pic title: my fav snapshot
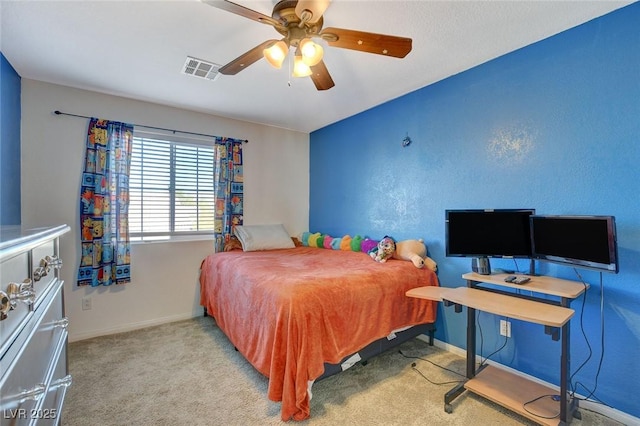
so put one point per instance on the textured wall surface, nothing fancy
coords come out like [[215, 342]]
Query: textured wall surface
[[9, 144], [553, 126]]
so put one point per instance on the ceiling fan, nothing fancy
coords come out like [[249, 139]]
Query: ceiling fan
[[300, 21]]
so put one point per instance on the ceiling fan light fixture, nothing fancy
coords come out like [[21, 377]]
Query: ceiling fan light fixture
[[310, 11], [312, 53], [300, 69], [276, 53]]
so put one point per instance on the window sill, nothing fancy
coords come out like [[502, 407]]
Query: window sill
[[172, 239]]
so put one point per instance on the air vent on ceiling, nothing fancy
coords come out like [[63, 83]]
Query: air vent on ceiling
[[200, 68]]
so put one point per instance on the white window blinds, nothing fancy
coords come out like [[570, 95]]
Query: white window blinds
[[171, 189]]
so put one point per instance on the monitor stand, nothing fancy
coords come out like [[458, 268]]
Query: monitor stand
[[532, 268], [481, 265]]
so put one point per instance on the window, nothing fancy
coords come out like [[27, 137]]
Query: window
[[171, 189]]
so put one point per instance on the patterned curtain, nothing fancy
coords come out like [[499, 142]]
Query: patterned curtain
[[228, 189], [104, 205]]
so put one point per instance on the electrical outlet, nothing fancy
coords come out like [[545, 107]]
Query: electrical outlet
[[86, 303], [505, 328]]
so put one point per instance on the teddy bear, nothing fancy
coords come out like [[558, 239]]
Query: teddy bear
[[416, 252], [384, 250]]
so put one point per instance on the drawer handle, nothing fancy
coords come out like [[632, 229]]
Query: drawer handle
[[34, 394], [21, 292], [26, 395], [63, 382], [54, 261], [62, 323], [5, 305], [40, 272], [46, 264]]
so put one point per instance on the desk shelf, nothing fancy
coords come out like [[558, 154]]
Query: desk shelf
[[513, 391], [498, 304], [498, 385], [538, 284]]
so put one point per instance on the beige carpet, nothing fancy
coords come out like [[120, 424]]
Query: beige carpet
[[187, 373]]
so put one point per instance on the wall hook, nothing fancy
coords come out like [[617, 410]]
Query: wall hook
[[406, 141]]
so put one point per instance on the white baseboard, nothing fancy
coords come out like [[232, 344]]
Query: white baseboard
[[612, 413], [74, 337]]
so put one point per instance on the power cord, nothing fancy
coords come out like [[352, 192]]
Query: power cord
[[506, 340], [575, 385], [553, 397], [584, 334], [414, 366], [602, 343]]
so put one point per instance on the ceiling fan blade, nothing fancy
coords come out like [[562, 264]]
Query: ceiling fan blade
[[242, 11], [321, 77], [380, 44], [315, 9], [246, 59]]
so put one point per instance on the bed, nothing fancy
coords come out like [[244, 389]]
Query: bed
[[300, 314]]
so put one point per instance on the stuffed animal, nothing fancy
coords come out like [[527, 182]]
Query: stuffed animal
[[385, 249], [335, 243], [327, 241], [416, 252], [345, 243], [368, 244], [356, 243], [313, 239]]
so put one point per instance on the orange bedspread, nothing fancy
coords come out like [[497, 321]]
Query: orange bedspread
[[289, 311]]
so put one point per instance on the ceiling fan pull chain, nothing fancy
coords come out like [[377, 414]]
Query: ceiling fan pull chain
[[289, 71]]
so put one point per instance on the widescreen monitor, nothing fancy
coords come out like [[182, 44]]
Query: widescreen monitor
[[578, 241], [488, 233]]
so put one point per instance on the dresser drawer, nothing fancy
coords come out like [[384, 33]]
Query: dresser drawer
[[13, 270], [50, 410], [25, 379]]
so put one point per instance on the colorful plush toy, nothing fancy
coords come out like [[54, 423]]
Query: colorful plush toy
[[356, 243], [368, 244], [345, 243], [385, 249], [313, 239], [335, 243], [416, 252], [327, 241]]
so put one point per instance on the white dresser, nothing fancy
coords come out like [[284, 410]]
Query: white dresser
[[33, 329]]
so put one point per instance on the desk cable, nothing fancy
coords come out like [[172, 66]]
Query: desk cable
[[602, 344], [586, 338], [488, 357], [413, 366]]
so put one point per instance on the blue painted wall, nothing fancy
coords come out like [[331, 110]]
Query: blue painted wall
[[9, 144], [554, 126]]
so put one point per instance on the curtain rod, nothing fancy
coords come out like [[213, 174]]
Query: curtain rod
[[56, 112]]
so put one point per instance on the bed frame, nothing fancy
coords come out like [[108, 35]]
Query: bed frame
[[376, 347]]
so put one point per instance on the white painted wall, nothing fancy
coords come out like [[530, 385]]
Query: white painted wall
[[164, 283]]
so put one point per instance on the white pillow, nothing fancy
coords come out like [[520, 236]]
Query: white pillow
[[263, 237]]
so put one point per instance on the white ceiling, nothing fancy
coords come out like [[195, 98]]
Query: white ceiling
[[137, 49]]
